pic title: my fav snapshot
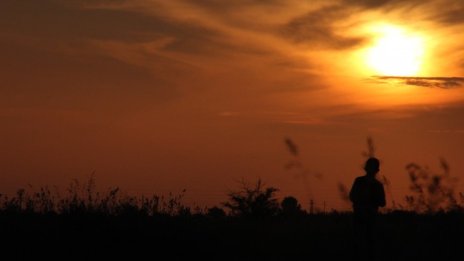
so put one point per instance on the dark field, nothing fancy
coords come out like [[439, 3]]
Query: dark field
[[252, 225], [401, 236]]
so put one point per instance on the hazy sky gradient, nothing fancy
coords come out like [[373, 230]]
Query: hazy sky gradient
[[158, 96]]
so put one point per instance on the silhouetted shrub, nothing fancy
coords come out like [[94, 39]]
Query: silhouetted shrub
[[432, 191], [253, 201], [216, 212], [290, 207]]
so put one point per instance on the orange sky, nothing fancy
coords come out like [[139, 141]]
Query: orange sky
[[158, 96]]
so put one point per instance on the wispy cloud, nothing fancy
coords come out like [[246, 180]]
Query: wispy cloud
[[451, 14], [429, 82], [318, 28]]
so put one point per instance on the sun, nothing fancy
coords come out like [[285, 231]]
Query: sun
[[396, 52]]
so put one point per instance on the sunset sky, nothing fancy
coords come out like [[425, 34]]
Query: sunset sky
[[156, 96]]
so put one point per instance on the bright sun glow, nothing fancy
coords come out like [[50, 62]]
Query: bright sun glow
[[396, 52]]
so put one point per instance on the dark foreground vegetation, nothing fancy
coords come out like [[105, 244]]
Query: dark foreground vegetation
[[402, 236], [252, 225]]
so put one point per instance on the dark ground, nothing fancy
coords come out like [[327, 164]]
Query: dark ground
[[400, 236]]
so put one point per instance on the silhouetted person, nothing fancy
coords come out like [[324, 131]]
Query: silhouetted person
[[367, 195]]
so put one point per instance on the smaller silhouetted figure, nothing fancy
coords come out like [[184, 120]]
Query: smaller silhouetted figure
[[367, 195]]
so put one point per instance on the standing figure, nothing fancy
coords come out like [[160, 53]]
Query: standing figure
[[367, 195]]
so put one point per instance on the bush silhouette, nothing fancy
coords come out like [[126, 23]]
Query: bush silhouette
[[290, 207], [253, 201], [216, 212], [431, 191]]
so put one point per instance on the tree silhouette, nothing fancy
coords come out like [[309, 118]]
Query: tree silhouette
[[253, 201]]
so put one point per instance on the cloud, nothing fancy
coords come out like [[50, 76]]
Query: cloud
[[37, 77], [52, 20], [221, 6], [385, 4], [450, 14], [318, 28], [57, 20], [369, 3], [430, 82], [242, 39], [69, 46]]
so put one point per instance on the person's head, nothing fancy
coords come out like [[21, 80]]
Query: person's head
[[372, 166]]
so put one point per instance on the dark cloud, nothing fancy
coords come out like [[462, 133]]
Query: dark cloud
[[63, 21], [369, 3], [430, 82], [449, 13], [38, 77], [317, 28], [222, 6], [386, 5], [58, 20]]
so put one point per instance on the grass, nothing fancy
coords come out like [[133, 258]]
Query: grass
[[252, 225], [84, 224]]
